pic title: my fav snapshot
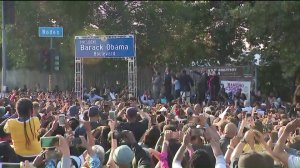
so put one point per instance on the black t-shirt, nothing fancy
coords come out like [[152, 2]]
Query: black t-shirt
[[138, 128], [95, 124], [185, 82], [168, 81], [224, 142]]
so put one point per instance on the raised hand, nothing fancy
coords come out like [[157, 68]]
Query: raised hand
[[167, 135], [187, 137], [234, 141]]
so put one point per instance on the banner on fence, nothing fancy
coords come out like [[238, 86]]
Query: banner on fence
[[233, 86]]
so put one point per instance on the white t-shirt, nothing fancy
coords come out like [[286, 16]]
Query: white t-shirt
[[293, 161]]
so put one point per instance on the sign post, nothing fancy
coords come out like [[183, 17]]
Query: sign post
[[3, 89], [51, 32]]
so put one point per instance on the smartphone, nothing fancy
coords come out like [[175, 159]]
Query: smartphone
[[112, 115], [49, 142], [10, 165], [61, 120], [76, 141]]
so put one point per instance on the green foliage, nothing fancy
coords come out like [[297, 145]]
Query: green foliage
[[275, 26], [175, 33]]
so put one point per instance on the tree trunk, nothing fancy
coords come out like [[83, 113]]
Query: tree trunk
[[296, 96]]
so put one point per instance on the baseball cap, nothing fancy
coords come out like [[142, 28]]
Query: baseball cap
[[73, 111], [131, 112], [75, 161], [93, 111], [80, 131], [123, 155], [100, 152]]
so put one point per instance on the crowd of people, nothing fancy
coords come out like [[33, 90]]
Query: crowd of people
[[57, 129]]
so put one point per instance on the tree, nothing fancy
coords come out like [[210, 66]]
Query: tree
[[273, 30]]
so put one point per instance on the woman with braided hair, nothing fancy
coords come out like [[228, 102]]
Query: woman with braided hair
[[24, 132]]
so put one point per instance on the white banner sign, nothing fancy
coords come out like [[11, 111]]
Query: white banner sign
[[233, 86]]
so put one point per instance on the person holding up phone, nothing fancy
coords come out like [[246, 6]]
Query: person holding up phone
[[164, 152], [45, 158], [137, 127], [94, 117]]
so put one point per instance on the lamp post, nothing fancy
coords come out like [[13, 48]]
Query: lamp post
[[3, 51]]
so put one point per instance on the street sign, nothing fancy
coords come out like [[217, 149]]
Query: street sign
[[106, 46], [51, 31]]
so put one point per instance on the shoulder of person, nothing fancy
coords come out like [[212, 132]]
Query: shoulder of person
[[34, 118], [144, 120], [11, 120]]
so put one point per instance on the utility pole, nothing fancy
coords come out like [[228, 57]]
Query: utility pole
[[50, 77], [51, 32], [3, 51], [256, 81]]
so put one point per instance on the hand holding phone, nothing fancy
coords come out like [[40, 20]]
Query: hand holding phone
[[112, 115], [49, 142], [9, 165], [61, 120]]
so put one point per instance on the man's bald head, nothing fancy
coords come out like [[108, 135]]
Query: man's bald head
[[230, 130]]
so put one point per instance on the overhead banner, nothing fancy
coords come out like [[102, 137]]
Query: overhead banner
[[106, 46], [227, 71], [233, 86]]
